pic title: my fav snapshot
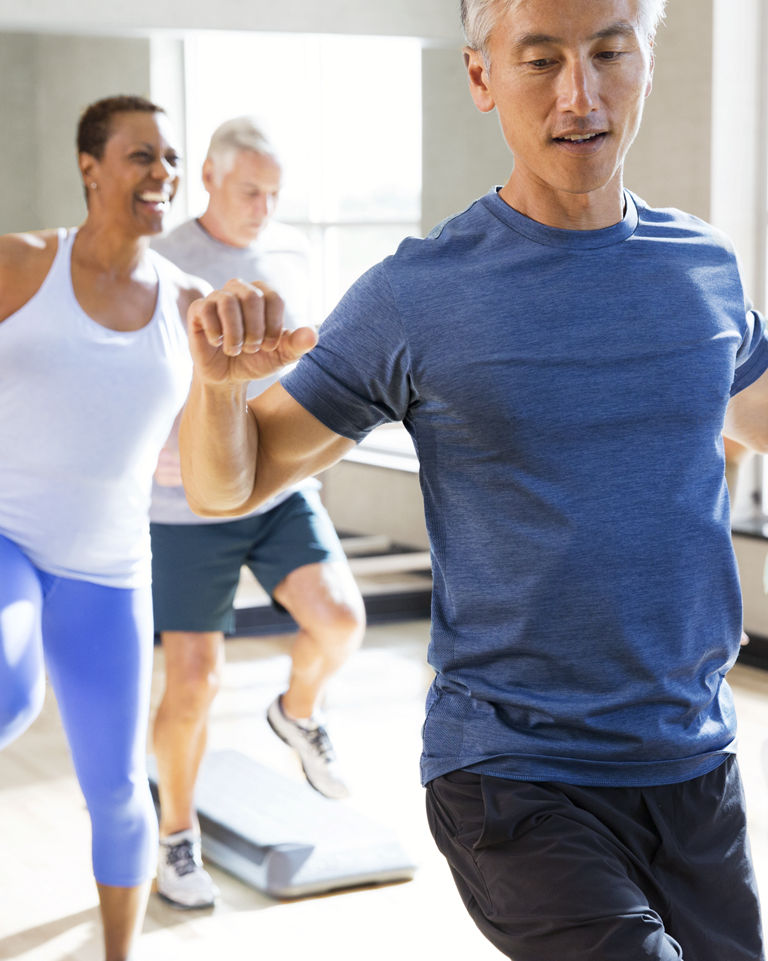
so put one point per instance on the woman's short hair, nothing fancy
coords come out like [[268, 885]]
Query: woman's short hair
[[95, 125]]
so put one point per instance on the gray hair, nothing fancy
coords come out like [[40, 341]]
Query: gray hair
[[478, 18], [240, 133]]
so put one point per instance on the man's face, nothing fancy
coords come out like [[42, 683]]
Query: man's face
[[242, 199], [569, 80]]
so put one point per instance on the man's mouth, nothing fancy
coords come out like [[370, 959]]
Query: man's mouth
[[580, 137]]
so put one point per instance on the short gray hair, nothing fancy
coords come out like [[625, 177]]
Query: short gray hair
[[229, 138], [478, 18]]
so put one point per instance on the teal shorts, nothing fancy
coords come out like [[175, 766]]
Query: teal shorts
[[196, 567]]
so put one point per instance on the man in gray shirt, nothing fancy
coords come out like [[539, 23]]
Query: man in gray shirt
[[289, 543]]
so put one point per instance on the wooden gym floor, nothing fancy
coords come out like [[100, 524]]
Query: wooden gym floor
[[48, 907]]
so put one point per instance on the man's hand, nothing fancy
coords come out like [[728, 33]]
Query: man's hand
[[236, 334]]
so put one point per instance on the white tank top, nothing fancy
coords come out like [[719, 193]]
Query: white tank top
[[84, 411]]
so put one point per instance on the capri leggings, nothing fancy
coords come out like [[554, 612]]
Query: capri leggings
[[96, 643]]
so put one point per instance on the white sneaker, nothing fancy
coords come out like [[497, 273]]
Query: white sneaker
[[181, 878], [311, 742]]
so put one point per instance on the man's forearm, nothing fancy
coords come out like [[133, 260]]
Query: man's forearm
[[218, 441]]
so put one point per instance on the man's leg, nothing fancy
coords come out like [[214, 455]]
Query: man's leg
[[195, 569], [705, 866], [325, 602], [545, 878], [193, 664], [298, 559]]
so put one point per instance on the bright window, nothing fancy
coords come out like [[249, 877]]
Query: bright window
[[345, 114]]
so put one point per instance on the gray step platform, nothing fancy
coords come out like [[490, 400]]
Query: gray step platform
[[283, 838]]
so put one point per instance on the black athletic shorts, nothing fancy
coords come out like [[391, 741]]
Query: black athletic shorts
[[553, 872]]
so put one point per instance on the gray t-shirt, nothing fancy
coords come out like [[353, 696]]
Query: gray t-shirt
[[279, 257]]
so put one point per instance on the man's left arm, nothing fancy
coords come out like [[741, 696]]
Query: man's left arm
[[746, 417]]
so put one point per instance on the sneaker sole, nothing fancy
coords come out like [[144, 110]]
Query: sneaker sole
[[185, 907]]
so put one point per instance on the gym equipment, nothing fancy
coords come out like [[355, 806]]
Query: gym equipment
[[283, 838]]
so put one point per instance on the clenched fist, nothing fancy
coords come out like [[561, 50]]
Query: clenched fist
[[236, 334]]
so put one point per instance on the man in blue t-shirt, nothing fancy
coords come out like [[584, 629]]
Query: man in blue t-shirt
[[566, 360]]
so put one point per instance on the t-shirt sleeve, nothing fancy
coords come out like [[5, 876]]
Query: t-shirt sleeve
[[359, 374], [752, 356]]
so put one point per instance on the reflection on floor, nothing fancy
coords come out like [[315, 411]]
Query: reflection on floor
[[375, 711]]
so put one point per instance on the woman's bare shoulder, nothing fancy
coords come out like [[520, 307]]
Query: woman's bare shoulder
[[25, 259], [31, 245]]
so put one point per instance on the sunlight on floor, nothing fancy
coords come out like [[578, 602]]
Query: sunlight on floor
[[375, 711]]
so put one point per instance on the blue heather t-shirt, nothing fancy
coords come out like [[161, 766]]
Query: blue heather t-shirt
[[565, 392]]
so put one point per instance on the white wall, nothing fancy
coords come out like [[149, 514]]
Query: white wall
[[738, 142], [46, 81], [463, 151], [18, 115], [430, 19], [670, 162]]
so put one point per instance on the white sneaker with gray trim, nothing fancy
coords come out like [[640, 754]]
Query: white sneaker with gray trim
[[181, 878], [311, 742]]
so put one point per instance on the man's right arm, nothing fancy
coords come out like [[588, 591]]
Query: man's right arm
[[237, 454]]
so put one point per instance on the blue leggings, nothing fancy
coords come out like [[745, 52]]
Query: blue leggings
[[96, 643]]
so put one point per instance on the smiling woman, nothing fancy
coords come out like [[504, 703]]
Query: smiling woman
[[94, 366], [128, 164]]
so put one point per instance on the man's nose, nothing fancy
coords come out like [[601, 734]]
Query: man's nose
[[578, 88]]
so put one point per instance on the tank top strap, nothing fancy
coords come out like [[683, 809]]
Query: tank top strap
[[167, 291], [63, 259], [167, 312], [58, 281], [163, 287]]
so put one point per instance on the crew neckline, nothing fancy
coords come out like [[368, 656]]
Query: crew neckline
[[230, 248], [557, 236]]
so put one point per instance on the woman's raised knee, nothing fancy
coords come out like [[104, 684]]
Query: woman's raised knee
[[19, 706]]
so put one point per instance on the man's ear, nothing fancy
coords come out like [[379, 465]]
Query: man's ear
[[478, 74], [208, 174]]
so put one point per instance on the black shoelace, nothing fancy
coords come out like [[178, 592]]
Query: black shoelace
[[318, 738], [182, 857]]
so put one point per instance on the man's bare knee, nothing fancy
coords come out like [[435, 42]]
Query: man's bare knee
[[193, 672]]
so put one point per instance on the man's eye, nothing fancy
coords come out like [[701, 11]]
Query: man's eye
[[609, 55], [540, 64]]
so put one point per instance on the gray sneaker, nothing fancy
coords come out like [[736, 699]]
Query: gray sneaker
[[311, 742], [181, 878]]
